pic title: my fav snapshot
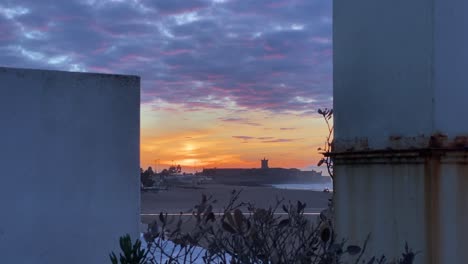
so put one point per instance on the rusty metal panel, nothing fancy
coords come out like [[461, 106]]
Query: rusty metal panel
[[420, 199]]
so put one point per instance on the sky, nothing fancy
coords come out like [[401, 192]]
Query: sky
[[224, 83]]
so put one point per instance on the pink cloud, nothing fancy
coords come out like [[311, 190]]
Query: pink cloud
[[133, 58], [175, 52], [268, 47]]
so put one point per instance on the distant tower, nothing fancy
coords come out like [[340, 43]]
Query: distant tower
[[264, 163]]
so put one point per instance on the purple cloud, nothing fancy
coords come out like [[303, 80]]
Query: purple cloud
[[255, 54], [265, 138], [245, 138], [242, 121], [279, 140]]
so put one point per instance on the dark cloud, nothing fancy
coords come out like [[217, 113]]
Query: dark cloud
[[279, 140], [271, 55], [175, 6], [242, 121], [265, 139], [243, 137]]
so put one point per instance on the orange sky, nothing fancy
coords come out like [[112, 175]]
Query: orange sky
[[217, 138]]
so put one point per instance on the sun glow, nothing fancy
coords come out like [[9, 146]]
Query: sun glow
[[203, 139]]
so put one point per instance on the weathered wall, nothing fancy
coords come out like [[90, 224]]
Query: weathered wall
[[382, 200], [419, 198], [450, 66], [401, 149], [69, 157], [382, 71]]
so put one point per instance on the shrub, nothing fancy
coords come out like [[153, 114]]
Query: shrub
[[242, 233], [132, 253]]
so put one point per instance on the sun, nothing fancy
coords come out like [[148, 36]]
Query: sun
[[189, 147]]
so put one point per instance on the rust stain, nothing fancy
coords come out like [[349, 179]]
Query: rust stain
[[356, 144], [432, 187], [421, 143]]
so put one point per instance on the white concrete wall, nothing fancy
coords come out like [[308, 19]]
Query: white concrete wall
[[69, 160]]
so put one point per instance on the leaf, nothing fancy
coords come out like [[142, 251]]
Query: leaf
[[325, 234], [210, 217], [323, 217], [283, 223], [353, 250], [285, 209], [228, 216], [238, 218], [228, 228], [162, 218], [300, 207], [113, 258], [320, 162], [320, 111]]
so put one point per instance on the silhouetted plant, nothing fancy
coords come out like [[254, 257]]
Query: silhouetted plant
[[131, 253], [243, 233], [327, 115]]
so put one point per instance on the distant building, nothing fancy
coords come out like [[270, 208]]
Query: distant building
[[264, 163]]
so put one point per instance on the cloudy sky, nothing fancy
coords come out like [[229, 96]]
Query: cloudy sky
[[224, 82]]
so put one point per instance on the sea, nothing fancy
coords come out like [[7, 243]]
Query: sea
[[304, 186]]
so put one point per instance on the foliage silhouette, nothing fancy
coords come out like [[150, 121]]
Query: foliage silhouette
[[243, 233]]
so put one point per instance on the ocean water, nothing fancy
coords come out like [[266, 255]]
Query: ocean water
[[304, 186]]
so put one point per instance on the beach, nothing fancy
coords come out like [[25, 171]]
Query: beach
[[182, 198]]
